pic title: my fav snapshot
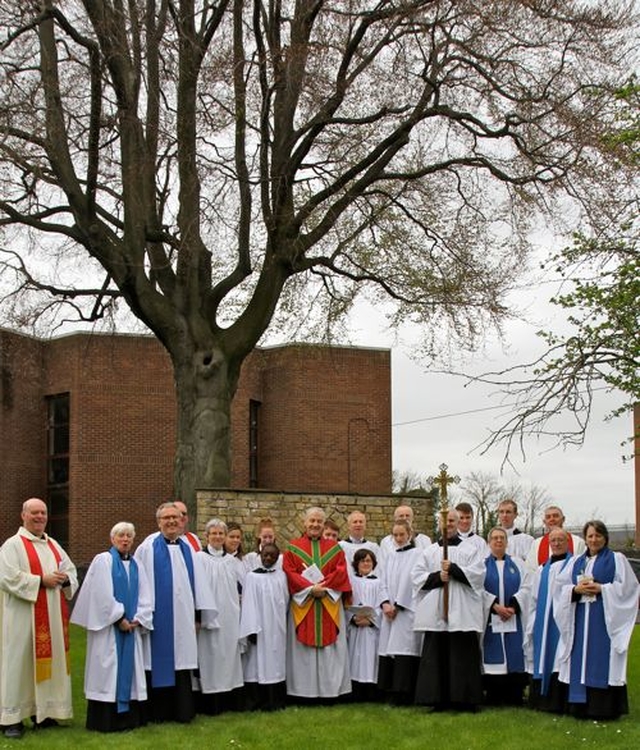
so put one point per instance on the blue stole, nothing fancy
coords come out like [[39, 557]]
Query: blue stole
[[162, 645], [494, 650], [599, 643], [553, 634], [125, 591]]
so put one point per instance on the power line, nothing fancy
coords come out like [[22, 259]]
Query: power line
[[446, 416]]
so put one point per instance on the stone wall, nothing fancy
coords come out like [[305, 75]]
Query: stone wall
[[286, 509]]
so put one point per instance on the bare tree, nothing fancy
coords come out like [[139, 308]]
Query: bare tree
[[482, 491], [217, 165]]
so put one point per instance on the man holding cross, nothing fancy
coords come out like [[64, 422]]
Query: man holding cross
[[449, 582]]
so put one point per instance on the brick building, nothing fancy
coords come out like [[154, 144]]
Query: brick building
[[88, 423]]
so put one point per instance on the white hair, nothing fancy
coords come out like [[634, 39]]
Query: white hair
[[215, 523], [122, 527], [313, 511]]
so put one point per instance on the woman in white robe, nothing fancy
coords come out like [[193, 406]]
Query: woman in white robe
[[507, 592], [100, 610], [364, 618], [219, 646], [400, 645], [596, 606]]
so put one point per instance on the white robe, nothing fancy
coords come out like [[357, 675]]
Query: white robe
[[536, 613], [465, 602], [363, 642], [184, 605], [265, 599], [20, 695], [218, 639], [97, 610], [518, 545], [522, 596], [620, 602], [318, 672], [397, 636]]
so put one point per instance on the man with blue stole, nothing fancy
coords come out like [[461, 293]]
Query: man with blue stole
[[507, 587], [317, 657], [542, 636], [596, 605], [179, 593], [114, 605]]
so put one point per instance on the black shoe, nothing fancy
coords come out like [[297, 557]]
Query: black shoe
[[13, 731], [45, 723]]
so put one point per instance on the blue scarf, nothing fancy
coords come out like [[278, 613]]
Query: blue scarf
[[599, 644], [553, 634], [511, 643], [125, 591], [162, 646]]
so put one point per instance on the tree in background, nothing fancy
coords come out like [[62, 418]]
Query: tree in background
[[221, 167], [600, 293]]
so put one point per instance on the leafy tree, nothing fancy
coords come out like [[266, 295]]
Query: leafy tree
[[217, 165]]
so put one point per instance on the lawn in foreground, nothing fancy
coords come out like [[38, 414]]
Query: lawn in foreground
[[354, 727]]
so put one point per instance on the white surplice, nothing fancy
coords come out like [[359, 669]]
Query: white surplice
[[20, 695], [97, 610]]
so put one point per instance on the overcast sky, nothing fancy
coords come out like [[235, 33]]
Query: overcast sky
[[436, 419]]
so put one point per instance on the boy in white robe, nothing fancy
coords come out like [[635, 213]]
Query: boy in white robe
[[263, 623]]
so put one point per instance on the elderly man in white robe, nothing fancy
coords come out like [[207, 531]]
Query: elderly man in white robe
[[542, 637], [450, 666], [114, 605], [179, 597], [37, 578]]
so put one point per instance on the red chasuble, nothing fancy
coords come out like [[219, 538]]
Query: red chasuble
[[316, 620]]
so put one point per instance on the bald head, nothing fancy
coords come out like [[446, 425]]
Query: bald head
[[34, 516]]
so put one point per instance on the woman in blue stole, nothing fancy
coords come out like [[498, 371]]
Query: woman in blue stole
[[506, 601], [114, 605], [596, 605]]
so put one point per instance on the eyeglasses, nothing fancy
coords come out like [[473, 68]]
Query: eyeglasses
[[169, 518]]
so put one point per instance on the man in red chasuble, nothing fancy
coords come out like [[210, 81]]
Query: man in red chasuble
[[316, 569]]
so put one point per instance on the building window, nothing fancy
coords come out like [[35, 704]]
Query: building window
[[254, 425], [58, 467]]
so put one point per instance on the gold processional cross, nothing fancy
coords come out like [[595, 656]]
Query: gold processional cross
[[441, 481]]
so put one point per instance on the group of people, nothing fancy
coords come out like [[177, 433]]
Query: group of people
[[181, 626]]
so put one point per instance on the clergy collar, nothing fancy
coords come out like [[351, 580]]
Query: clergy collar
[[265, 570], [171, 541], [411, 545], [453, 542], [125, 555], [355, 541], [557, 558], [215, 552], [359, 575]]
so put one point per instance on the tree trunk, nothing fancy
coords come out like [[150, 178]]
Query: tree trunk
[[205, 383]]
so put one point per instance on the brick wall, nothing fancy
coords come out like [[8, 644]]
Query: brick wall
[[325, 426], [22, 427]]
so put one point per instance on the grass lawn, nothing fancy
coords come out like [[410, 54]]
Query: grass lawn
[[351, 727]]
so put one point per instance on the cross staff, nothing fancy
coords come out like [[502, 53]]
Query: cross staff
[[441, 481]]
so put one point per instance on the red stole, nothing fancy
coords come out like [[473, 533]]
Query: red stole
[[316, 620], [543, 548], [41, 625], [193, 541]]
